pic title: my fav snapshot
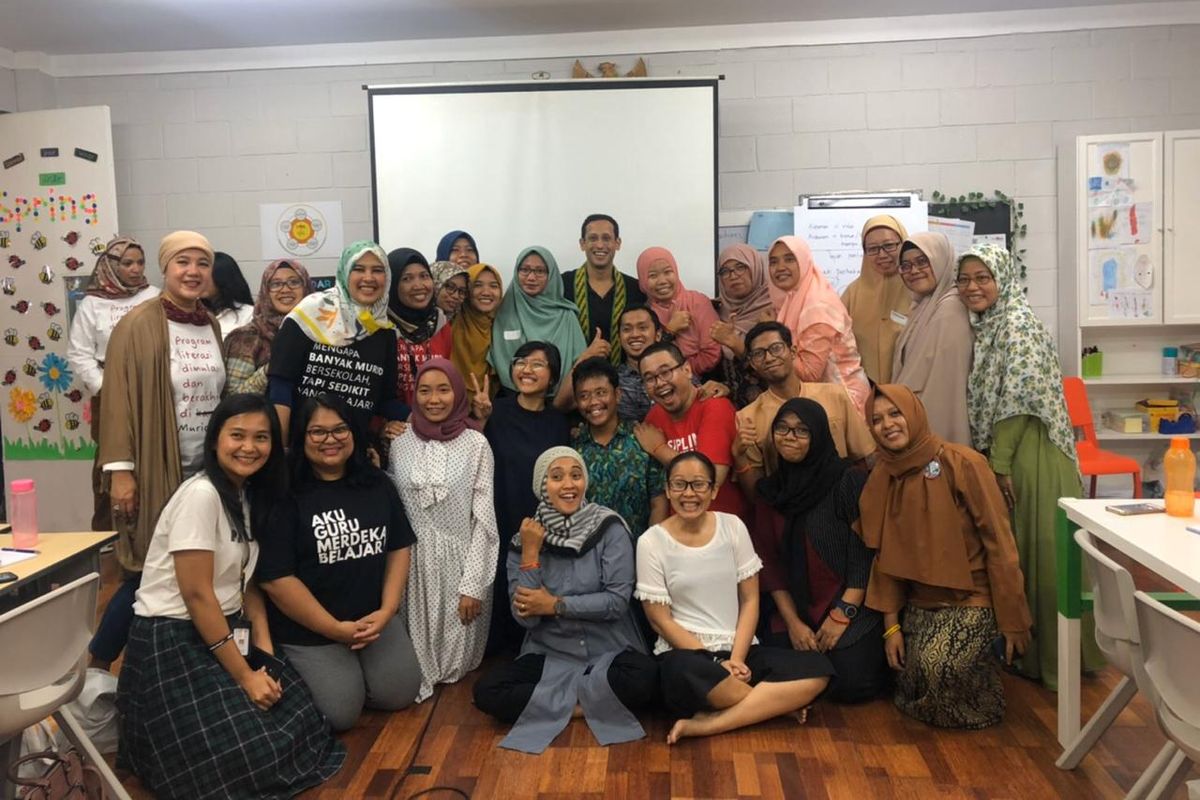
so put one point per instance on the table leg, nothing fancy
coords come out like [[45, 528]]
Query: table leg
[[1069, 567]]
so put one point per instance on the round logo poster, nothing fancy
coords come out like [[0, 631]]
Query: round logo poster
[[301, 230]]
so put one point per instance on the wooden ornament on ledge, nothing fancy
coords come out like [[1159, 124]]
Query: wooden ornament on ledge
[[608, 69]]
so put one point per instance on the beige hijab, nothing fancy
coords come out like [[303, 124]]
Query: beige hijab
[[871, 300], [934, 351]]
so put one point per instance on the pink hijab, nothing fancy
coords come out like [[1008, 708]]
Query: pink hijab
[[459, 419], [695, 342]]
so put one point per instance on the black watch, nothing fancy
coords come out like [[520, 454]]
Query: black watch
[[848, 609]]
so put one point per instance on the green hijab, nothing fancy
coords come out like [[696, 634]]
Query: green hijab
[[1016, 370], [548, 317]]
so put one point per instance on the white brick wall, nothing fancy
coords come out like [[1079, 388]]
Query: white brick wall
[[956, 115]]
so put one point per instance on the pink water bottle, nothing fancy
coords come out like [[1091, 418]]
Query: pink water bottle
[[23, 514]]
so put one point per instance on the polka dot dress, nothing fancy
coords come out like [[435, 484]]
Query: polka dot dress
[[447, 492]]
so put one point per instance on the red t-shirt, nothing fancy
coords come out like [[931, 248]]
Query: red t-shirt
[[707, 427]]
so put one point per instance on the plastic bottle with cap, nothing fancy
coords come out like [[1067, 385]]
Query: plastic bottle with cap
[[1170, 361], [1179, 467], [24, 516]]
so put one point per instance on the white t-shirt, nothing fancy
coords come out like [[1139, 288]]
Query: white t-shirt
[[197, 378], [233, 318], [194, 519], [698, 583], [92, 327]]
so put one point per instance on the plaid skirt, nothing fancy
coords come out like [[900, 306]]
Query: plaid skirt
[[189, 731]]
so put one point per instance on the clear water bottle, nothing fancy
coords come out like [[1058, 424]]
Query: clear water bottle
[[23, 514]]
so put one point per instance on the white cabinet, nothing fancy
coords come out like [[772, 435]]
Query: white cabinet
[[1181, 218]]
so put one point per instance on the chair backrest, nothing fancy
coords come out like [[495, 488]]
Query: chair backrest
[[1170, 652], [1078, 409], [1112, 604], [47, 638]]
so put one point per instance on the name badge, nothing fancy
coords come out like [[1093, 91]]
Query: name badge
[[512, 336], [899, 319], [241, 637]]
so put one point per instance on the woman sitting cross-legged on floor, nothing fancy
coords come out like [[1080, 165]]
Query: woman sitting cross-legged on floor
[[697, 579], [570, 579]]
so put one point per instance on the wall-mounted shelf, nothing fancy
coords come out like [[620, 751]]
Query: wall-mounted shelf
[[1165, 438], [1150, 379]]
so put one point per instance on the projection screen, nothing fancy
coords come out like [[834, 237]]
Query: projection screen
[[520, 164]]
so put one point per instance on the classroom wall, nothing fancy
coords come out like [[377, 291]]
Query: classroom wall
[[202, 150], [8, 89]]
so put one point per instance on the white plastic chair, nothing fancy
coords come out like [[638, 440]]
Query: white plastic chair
[[1166, 675], [43, 668], [1117, 638]]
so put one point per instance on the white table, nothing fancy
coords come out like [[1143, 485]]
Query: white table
[[1160, 543]]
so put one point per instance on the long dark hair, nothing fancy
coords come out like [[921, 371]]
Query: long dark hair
[[360, 472], [264, 488], [230, 283]]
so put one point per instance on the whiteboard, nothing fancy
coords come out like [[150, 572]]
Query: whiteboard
[[520, 164], [832, 226]]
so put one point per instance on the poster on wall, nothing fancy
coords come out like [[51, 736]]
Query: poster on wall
[[300, 230]]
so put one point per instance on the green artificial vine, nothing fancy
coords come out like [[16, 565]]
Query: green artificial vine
[[977, 201]]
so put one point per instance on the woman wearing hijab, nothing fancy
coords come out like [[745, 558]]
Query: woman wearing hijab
[[535, 310], [421, 331], [118, 284], [820, 325], [338, 341], [471, 332], [248, 349], [1019, 421], [946, 559], [815, 566], [449, 287], [570, 580], [877, 300], [442, 467], [933, 354], [458, 247], [688, 315], [747, 298]]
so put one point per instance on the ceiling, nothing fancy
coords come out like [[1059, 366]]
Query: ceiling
[[77, 27]]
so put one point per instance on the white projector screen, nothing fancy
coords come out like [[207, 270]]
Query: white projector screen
[[520, 164]]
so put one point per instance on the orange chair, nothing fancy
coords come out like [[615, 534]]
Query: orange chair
[[1092, 460]]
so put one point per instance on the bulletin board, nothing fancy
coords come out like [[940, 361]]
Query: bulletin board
[[57, 210]]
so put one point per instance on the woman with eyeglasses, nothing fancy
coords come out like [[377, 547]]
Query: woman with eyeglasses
[[449, 287], [877, 300], [821, 327], [697, 578], [747, 298], [535, 310], [248, 349], [933, 354], [421, 330], [1018, 419], [519, 427], [443, 468], [334, 566], [815, 566]]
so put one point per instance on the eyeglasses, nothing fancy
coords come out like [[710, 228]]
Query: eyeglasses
[[783, 431], [774, 349], [457, 291], [888, 248], [535, 364], [290, 283], [339, 434], [699, 485], [529, 272], [918, 263], [662, 376], [736, 269], [963, 281]]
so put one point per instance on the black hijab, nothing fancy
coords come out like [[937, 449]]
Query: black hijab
[[414, 324], [795, 488]]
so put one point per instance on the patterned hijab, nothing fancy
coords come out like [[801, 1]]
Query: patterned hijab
[[332, 317], [414, 324], [106, 281], [763, 297], [566, 535], [253, 340], [471, 334], [1016, 370]]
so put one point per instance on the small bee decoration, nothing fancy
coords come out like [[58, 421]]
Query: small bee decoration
[[74, 395], [45, 401], [43, 425], [72, 263], [96, 246], [38, 240], [15, 261], [10, 377], [71, 238], [46, 275], [35, 343], [10, 337], [50, 309], [9, 286], [30, 367], [21, 306], [72, 421], [55, 332], [5, 238]]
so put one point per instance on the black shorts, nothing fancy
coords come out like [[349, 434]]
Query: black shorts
[[687, 676]]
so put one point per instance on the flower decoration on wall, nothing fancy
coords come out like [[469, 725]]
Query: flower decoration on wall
[[22, 405], [55, 373]]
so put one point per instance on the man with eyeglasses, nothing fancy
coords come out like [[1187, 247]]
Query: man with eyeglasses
[[772, 356], [598, 289], [682, 421]]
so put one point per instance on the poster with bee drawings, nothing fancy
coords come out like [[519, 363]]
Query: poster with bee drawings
[[58, 208]]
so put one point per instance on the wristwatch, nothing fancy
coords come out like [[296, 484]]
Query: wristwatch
[[560, 607], [848, 609]]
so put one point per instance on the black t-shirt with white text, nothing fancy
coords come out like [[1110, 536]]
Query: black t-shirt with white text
[[336, 539]]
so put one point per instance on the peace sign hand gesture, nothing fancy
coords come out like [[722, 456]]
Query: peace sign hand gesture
[[481, 398]]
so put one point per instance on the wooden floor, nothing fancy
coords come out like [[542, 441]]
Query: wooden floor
[[851, 753]]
